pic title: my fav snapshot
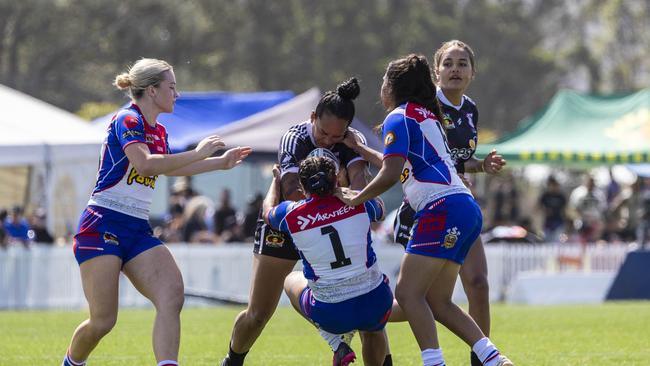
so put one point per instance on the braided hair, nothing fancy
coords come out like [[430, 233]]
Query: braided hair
[[318, 175]]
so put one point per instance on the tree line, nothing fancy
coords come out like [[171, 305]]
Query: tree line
[[67, 52]]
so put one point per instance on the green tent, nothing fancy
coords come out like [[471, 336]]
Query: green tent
[[579, 130]]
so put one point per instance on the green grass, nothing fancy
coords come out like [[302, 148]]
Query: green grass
[[614, 333]]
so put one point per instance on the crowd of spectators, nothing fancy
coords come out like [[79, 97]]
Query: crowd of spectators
[[562, 212], [194, 218], [585, 213], [16, 229]]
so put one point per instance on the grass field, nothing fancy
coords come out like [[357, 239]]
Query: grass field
[[611, 334]]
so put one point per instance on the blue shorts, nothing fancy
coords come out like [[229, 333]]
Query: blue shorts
[[102, 231], [368, 312], [446, 228]]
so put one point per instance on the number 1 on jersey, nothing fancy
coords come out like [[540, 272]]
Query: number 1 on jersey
[[341, 260]]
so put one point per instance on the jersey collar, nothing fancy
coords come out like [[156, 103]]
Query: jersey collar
[[135, 106], [443, 99]]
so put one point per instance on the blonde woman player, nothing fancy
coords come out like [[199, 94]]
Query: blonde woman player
[[114, 234]]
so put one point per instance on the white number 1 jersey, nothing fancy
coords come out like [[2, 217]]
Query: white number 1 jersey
[[334, 243]]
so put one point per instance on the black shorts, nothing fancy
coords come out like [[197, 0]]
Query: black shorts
[[273, 243], [403, 224]]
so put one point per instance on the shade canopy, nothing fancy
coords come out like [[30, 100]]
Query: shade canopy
[[582, 130]]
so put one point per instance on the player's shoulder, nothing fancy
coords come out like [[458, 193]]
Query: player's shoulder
[[128, 117], [469, 102], [161, 128], [397, 115], [418, 112], [299, 130], [296, 141]]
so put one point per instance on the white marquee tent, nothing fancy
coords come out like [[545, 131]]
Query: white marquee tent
[[264, 130], [60, 150]]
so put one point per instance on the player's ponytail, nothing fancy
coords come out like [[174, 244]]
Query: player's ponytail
[[408, 79], [318, 175], [144, 73]]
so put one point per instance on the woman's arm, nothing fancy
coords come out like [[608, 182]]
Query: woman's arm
[[388, 175], [358, 175], [492, 164], [272, 196], [372, 156], [228, 160], [148, 164]]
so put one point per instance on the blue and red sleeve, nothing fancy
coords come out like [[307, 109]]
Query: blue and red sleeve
[[277, 215], [395, 133], [129, 128]]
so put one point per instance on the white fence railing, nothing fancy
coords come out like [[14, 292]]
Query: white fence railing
[[48, 277], [507, 261]]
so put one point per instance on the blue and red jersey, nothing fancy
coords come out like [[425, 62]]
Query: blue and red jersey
[[119, 186], [414, 133], [334, 242]]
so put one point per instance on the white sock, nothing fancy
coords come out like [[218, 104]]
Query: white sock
[[486, 351], [334, 340], [433, 357], [167, 363]]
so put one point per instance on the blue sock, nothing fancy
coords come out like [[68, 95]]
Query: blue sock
[[67, 361]]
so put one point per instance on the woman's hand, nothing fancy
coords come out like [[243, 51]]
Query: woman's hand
[[465, 181], [209, 145], [347, 195], [351, 140], [276, 172], [234, 156], [493, 163]]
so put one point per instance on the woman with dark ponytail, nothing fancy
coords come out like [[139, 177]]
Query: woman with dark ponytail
[[274, 252], [454, 69], [448, 219], [341, 288]]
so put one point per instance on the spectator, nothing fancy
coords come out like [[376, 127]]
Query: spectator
[[553, 202], [182, 191], [251, 215], [643, 212], [17, 227], [172, 230], [3, 231], [613, 188], [38, 230], [225, 219], [195, 228], [588, 204], [506, 201]]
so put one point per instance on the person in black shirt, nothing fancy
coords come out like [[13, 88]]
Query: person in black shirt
[[553, 201], [225, 218], [38, 229]]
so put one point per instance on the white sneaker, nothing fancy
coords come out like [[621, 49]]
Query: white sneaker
[[347, 337], [504, 361]]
